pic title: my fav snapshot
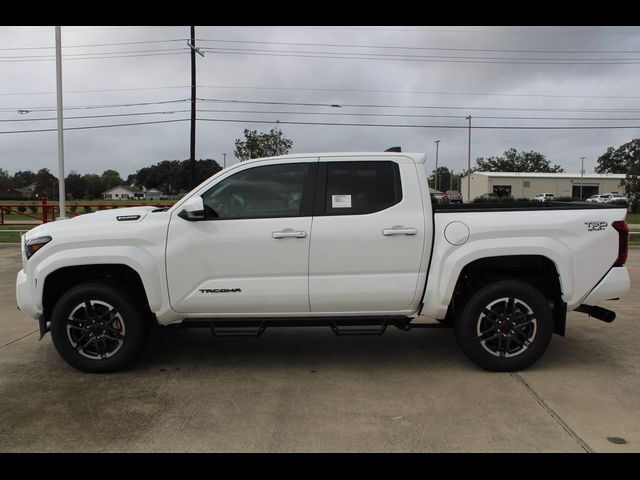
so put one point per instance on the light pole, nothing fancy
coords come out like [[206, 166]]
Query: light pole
[[437, 142], [61, 192], [224, 161], [469, 163], [581, 176]]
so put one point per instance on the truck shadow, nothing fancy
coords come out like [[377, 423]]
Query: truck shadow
[[314, 348]]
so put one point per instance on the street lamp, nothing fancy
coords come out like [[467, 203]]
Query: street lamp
[[224, 157], [581, 176], [437, 142], [469, 163]]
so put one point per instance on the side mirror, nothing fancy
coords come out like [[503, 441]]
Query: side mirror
[[193, 209]]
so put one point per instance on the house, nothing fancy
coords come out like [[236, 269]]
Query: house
[[123, 192], [153, 194], [528, 185]]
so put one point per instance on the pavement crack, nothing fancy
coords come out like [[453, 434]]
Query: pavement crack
[[583, 444], [18, 339]]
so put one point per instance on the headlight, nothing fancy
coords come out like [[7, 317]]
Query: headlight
[[33, 245]]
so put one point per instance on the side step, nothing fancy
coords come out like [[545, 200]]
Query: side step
[[341, 326], [220, 329]]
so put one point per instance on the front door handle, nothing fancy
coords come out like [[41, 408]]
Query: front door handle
[[289, 233], [399, 230]]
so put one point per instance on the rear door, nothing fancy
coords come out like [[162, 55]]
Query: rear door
[[368, 236]]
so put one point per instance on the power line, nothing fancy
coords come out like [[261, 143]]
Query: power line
[[96, 58], [365, 105], [420, 58], [421, 92], [94, 116], [348, 114], [89, 107], [355, 90], [98, 44], [96, 126], [399, 47], [100, 90], [79, 55], [341, 124]]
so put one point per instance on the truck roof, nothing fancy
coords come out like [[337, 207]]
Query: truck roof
[[416, 157]]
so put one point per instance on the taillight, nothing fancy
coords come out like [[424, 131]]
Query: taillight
[[623, 243]]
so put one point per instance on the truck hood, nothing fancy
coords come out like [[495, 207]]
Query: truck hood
[[115, 216]]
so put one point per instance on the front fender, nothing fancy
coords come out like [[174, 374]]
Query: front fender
[[142, 262]]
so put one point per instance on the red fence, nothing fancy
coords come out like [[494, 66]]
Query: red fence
[[43, 212]]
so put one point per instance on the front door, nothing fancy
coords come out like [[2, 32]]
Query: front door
[[250, 255], [368, 237]]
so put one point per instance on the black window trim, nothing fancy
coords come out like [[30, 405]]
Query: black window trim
[[308, 193], [319, 205]]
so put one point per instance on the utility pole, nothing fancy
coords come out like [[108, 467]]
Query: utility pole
[[224, 157], [192, 154], [581, 176], [469, 163], [437, 142], [61, 191]]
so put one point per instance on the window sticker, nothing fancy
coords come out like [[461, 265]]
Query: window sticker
[[340, 201]]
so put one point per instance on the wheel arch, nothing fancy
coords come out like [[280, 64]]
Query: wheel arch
[[538, 271]]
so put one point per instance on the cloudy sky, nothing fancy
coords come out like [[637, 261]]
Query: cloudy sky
[[432, 77]]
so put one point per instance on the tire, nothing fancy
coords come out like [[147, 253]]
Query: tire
[[505, 326], [97, 328]]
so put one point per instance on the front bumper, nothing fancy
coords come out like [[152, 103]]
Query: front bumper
[[615, 284], [25, 296]]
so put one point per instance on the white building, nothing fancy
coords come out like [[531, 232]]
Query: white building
[[122, 192], [153, 194], [528, 185]]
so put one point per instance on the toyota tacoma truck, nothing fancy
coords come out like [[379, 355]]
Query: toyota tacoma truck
[[346, 240]]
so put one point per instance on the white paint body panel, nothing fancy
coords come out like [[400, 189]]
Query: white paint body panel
[[354, 268], [343, 267]]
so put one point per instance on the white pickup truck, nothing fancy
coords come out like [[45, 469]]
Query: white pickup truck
[[347, 240]]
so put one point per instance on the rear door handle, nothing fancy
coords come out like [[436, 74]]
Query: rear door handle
[[289, 233], [399, 230]]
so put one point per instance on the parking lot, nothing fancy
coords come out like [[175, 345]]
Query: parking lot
[[299, 389]]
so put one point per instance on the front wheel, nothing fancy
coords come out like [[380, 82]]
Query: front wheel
[[505, 326], [97, 328]]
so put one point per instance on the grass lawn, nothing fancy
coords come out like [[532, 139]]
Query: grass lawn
[[633, 218]]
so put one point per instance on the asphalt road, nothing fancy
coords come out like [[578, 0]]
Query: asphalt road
[[305, 390]]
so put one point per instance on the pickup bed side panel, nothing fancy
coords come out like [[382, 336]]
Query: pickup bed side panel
[[581, 256]]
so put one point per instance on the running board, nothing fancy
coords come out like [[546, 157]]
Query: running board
[[341, 326]]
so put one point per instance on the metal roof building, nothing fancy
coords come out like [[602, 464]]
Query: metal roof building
[[528, 185]]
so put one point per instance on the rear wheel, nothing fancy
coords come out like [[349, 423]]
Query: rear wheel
[[97, 328], [505, 326]]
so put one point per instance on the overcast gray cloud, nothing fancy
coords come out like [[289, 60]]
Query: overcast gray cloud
[[283, 70]]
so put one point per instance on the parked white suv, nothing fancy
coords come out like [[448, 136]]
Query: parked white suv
[[544, 197]]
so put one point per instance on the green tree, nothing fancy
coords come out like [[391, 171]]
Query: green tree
[[110, 179], [624, 159], [74, 185], [173, 176], [444, 179], [5, 181], [23, 178], [93, 186], [617, 160], [46, 184], [514, 161], [257, 145]]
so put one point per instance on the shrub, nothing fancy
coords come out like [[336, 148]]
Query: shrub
[[87, 209], [618, 202], [33, 209], [73, 209], [22, 208]]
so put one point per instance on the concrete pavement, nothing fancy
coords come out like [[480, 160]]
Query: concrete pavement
[[306, 390]]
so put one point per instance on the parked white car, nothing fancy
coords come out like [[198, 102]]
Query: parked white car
[[595, 199], [544, 197], [612, 197], [345, 240]]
